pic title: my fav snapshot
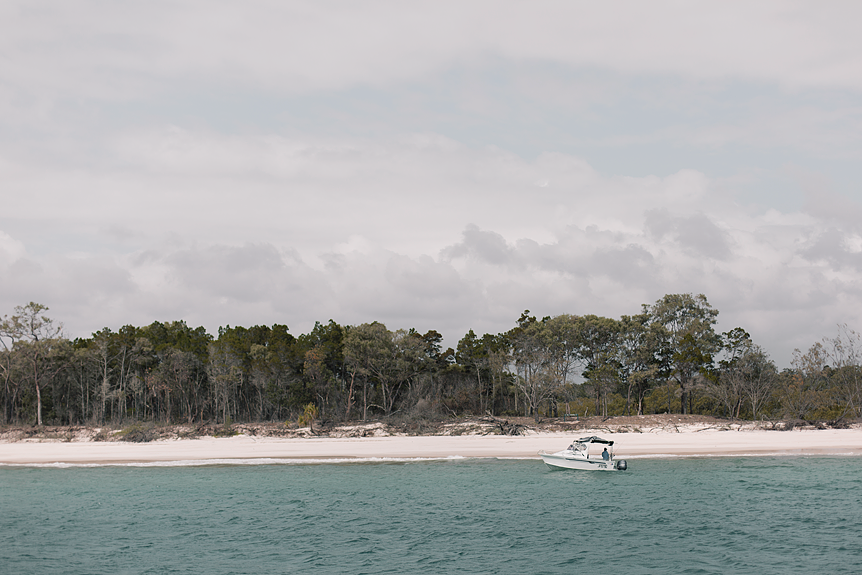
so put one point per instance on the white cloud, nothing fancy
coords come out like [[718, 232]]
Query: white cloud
[[432, 165], [433, 236], [10, 250]]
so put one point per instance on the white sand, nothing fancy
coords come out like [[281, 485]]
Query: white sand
[[710, 442]]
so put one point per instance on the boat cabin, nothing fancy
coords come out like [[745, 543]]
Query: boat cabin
[[581, 447]]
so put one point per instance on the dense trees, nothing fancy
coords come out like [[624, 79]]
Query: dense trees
[[667, 358], [745, 377]]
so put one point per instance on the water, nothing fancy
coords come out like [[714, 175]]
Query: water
[[721, 515]]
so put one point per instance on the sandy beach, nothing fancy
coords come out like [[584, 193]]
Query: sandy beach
[[686, 442]]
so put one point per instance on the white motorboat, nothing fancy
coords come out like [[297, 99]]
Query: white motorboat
[[579, 456]]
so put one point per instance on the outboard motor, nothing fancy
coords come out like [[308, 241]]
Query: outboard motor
[[621, 465]]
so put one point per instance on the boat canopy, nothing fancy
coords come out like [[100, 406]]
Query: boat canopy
[[594, 439]]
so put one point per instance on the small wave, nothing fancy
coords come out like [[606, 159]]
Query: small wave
[[759, 454], [250, 461]]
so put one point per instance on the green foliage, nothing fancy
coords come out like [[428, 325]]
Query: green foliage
[[309, 414], [665, 358], [662, 400], [226, 429], [687, 341], [582, 407], [140, 432]]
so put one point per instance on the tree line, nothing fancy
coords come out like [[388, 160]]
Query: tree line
[[666, 359]]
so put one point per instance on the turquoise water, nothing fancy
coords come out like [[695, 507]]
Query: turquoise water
[[722, 515]]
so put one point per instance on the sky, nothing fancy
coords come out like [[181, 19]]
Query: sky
[[435, 165]]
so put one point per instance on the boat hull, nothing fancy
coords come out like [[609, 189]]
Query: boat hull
[[568, 461]]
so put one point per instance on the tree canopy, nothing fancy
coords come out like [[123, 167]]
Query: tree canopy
[[666, 359]]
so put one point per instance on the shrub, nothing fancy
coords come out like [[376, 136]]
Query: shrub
[[308, 416], [138, 433]]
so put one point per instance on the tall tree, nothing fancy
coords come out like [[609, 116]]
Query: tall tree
[[368, 355], [473, 357], [540, 362], [760, 377], [529, 359], [638, 356], [411, 362], [806, 386], [686, 322], [599, 352], [845, 353], [726, 384], [562, 334], [34, 335]]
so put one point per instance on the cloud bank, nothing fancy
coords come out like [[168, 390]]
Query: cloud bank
[[423, 232], [437, 166]]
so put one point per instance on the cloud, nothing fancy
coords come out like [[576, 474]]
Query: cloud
[[487, 247], [696, 235], [267, 90], [11, 250], [823, 203], [421, 232], [238, 274], [428, 166], [113, 51]]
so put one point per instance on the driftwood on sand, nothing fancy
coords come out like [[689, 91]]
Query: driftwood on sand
[[504, 426]]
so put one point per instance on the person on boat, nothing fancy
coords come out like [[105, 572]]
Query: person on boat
[[605, 455]]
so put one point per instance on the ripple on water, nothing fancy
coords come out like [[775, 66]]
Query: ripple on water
[[723, 515]]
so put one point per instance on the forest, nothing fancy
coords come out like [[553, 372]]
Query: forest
[[666, 359]]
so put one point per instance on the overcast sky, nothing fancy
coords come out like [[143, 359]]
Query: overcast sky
[[437, 165]]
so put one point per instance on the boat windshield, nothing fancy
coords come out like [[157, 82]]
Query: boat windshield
[[594, 439]]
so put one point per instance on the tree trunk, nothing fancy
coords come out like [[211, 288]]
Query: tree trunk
[[365, 400], [350, 396], [38, 405]]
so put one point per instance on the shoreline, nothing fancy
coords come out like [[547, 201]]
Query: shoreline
[[684, 442]]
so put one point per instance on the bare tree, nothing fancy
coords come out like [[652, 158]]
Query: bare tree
[[845, 353], [801, 395], [34, 335], [759, 377], [727, 384]]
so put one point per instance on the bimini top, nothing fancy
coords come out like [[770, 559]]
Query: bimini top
[[595, 439]]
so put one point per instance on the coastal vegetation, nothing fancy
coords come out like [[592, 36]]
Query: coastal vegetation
[[667, 358]]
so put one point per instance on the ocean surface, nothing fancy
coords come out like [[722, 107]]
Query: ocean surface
[[673, 515]]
